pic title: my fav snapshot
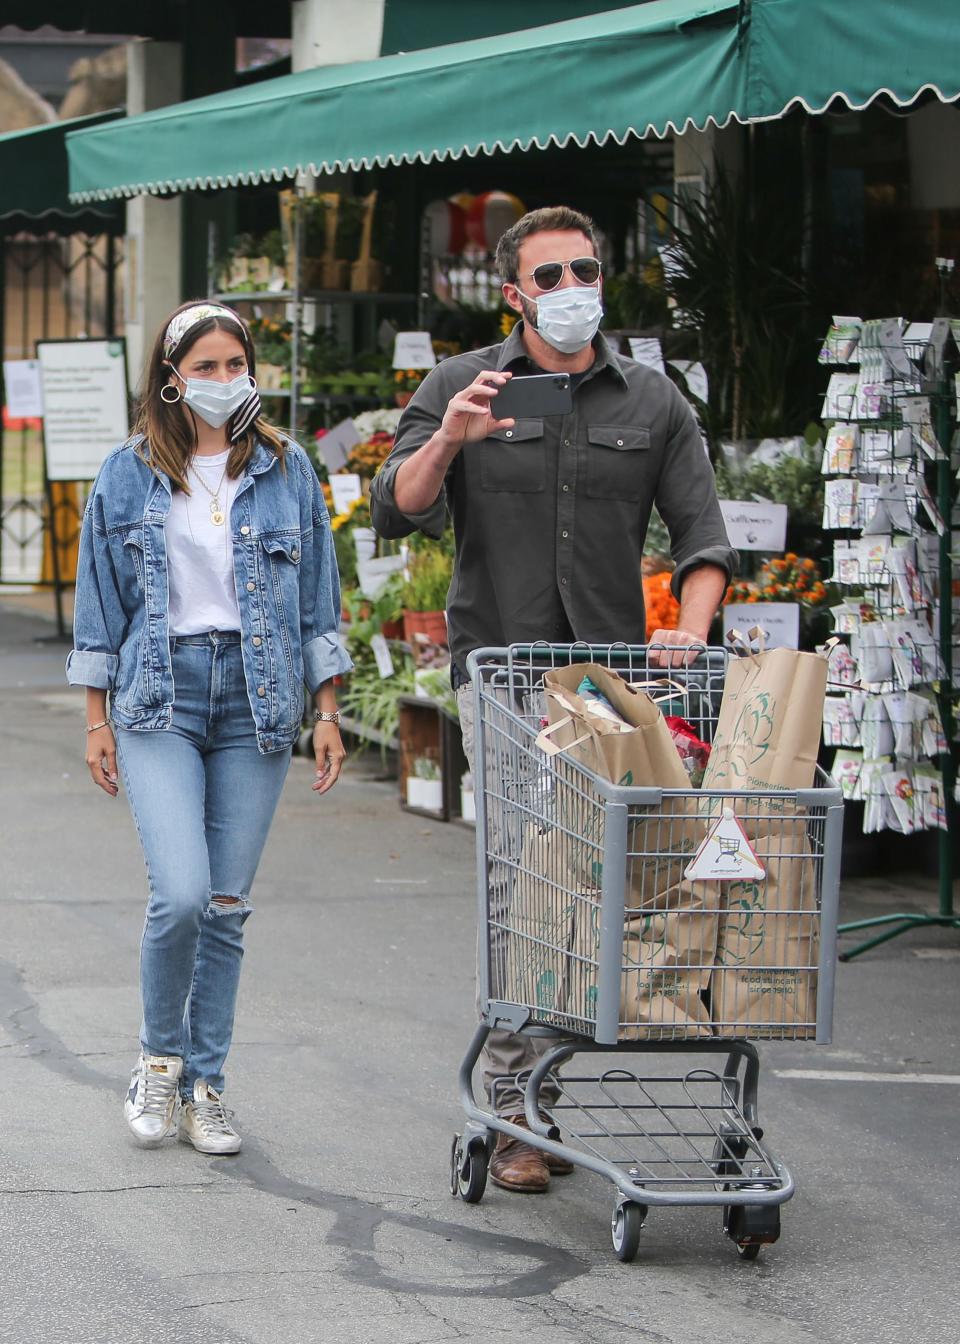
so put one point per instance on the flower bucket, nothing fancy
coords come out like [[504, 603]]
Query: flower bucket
[[433, 624], [425, 793]]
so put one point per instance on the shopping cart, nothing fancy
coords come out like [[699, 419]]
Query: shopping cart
[[592, 938]]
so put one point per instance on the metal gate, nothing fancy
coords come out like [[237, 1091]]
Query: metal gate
[[51, 287]]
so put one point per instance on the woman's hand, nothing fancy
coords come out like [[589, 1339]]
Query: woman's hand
[[330, 754], [102, 759]]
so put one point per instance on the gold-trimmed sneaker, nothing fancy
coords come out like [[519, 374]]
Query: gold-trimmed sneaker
[[204, 1123], [152, 1103]]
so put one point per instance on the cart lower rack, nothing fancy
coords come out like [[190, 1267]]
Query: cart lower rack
[[594, 940]]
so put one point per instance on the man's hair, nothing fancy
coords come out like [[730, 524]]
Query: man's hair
[[548, 219]]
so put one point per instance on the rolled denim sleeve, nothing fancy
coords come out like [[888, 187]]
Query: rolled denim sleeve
[[324, 656], [420, 421], [687, 501], [99, 620]]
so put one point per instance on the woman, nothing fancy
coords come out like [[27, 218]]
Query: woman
[[207, 594]]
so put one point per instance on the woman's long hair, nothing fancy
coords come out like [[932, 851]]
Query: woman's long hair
[[170, 439]]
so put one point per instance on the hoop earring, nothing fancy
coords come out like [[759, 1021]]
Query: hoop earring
[[170, 401]]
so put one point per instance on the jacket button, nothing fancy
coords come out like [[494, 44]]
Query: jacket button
[[295, 553], [256, 641], [565, 488], [251, 587], [261, 690], [508, 433], [244, 531], [619, 443]]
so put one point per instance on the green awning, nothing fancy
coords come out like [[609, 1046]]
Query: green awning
[[649, 69], [33, 182], [644, 70], [809, 52]]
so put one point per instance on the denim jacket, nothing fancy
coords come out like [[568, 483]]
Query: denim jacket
[[285, 572]]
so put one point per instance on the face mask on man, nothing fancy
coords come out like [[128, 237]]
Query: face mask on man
[[216, 402], [568, 319]]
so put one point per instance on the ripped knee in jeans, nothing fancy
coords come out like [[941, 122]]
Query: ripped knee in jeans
[[222, 903]]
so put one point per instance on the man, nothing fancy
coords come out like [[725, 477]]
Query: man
[[550, 515]]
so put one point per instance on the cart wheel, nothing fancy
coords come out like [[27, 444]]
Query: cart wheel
[[470, 1182], [751, 1226], [628, 1218]]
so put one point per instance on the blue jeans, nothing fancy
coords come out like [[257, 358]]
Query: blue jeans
[[203, 797]]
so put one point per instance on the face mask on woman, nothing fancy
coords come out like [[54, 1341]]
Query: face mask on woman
[[216, 402]]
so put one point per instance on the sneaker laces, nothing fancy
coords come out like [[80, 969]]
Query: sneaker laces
[[157, 1092], [211, 1117]]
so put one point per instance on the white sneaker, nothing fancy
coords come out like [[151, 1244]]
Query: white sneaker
[[204, 1123], [153, 1101]]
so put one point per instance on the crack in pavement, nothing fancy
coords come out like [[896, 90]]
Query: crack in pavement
[[357, 1221]]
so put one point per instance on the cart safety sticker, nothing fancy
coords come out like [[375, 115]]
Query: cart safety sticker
[[725, 853]]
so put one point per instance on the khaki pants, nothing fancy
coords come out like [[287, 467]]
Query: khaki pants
[[506, 1053]]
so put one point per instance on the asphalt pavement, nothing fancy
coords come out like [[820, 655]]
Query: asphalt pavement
[[335, 1223]]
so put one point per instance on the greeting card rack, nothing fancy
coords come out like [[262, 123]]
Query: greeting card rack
[[890, 498]]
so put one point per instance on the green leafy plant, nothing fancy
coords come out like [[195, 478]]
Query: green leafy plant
[[430, 571], [794, 481]]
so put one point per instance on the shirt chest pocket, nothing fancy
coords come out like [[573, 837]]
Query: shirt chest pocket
[[618, 462], [515, 460]]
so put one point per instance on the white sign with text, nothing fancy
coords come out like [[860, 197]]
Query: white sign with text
[[646, 350], [85, 404], [345, 488], [754, 525], [21, 382], [779, 621], [413, 350]]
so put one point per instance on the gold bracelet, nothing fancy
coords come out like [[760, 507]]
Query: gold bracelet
[[94, 726]]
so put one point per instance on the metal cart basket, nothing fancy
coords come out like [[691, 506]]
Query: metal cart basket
[[592, 939]]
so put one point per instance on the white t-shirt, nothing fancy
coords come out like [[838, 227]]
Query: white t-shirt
[[199, 555]]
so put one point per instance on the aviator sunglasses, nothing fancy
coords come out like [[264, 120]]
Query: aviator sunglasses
[[548, 274]]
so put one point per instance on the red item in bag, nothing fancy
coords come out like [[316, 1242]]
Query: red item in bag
[[692, 751]]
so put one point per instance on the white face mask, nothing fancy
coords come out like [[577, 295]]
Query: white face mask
[[568, 319], [216, 402]]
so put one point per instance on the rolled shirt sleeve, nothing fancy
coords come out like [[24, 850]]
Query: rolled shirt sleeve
[[418, 424], [686, 499]]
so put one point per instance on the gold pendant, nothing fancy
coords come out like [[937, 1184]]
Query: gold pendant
[[216, 517]]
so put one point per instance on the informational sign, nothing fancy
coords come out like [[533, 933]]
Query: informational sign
[[345, 488], [84, 388], [779, 621], [754, 525], [413, 350], [726, 854], [334, 447], [21, 381], [646, 350]]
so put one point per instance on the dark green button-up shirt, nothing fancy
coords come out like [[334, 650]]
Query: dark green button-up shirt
[[550, 516]]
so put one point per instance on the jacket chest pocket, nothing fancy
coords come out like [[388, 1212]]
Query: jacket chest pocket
[[283, 567], [617, 462], [133, 552], [514, 460]]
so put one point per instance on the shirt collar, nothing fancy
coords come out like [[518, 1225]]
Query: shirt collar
[[513, 350]]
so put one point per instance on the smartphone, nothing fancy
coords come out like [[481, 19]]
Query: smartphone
[[533, 396]]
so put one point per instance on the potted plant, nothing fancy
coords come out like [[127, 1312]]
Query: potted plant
[[406, 382], [424, 594], [425, 785]]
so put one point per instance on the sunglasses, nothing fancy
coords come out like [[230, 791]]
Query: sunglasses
[[585, 270]]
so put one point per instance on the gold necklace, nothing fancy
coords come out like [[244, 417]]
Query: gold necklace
[[217, 516]]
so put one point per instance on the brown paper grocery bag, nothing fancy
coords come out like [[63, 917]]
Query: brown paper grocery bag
[[643, 755], [768, 731], [765, 984]]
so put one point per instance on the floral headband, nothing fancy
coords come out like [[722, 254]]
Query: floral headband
[[181, 323]]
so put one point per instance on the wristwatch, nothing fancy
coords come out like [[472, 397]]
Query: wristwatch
[[326, 716]]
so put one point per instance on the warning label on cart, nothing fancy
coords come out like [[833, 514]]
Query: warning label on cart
[[725, 853]]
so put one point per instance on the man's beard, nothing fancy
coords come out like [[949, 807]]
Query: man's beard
[[529, 310]]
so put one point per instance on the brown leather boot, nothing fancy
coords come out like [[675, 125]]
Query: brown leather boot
[[518, 1166]]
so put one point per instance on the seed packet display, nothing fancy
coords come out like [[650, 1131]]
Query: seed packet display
[[840, 343], [841, 669], [928, 787], [846, 618], [841, 727], [840, 450], [915, 656], [915, 412], [871, 648], [902, 812], [840, 504], [846, 769], [874, 796], [846, 563], [840, 401], [876, 730]]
